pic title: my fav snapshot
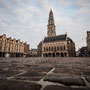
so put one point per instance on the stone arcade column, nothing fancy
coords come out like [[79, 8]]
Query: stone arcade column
[[67, 55], [42, 54], [55, 54]]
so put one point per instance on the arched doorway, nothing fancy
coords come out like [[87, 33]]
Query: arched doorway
[[46, 55], [65, 54], [0, 54], [49, 54], [62, 55], [57, 54], [53, 54], [4, 54], [89, 54]]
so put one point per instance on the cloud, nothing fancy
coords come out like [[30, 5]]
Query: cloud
[[27, 19]]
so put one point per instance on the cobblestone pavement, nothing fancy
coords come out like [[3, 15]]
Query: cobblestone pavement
[[45, 73]]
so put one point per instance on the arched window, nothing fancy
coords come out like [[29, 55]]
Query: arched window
[[64, 48], [49, 48], [60, 47], [54, 48], [57, 47], [44, 48]]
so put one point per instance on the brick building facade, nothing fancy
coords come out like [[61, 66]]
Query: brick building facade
[[12, 47]]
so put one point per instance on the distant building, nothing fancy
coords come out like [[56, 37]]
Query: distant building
[[55, 45], [39, 51], [88, 42], [82, 52], [26, 50], [33, 52], [12, 48]]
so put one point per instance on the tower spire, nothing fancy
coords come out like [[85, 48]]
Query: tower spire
[[51, 10], [51, 27]]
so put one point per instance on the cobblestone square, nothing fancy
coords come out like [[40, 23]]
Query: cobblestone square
[[45, 73]]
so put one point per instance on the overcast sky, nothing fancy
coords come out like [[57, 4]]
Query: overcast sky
[[27, 19]]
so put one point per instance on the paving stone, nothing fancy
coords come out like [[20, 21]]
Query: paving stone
[[88, 78], [18, 85], [31, 75], [67, 69], [41, 68], [80, 88], [35, 73], [8, 73], [86, 72], [75, 80], [56, 87]]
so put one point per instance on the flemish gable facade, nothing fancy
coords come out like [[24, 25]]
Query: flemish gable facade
[[13, 48]]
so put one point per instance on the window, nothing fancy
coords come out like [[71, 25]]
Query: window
[[60, 47], [57, 47], [0, 42], [4, 48], [49, 48], [0, 47], [54, 48], [64, 48], [44, 48]]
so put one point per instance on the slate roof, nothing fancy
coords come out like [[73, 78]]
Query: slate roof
[[40, 43], [55, 38]]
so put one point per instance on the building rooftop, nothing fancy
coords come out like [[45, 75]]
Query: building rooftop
[[55, 38], [40, 43], [88, 31]]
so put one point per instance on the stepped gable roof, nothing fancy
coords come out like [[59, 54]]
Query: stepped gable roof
[[55, 38], [88, 31], [1, 36]]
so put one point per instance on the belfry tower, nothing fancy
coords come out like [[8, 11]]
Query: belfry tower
[[51, 27]]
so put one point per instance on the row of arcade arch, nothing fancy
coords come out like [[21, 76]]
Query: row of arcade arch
[[55, 54]]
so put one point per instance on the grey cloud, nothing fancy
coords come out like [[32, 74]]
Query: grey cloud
[[20, 19]]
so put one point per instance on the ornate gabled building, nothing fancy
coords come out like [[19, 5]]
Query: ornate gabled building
[[55, 45], [13, 48]]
